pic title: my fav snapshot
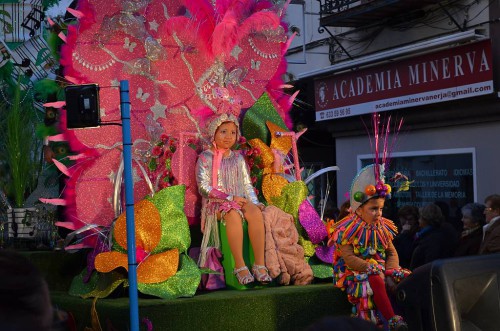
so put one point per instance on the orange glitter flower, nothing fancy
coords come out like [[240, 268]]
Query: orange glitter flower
[[152, 267]]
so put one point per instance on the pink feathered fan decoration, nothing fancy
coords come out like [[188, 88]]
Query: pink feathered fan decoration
[[184, 61]]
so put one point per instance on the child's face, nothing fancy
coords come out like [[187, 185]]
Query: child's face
[[225, 136], [371, 211]]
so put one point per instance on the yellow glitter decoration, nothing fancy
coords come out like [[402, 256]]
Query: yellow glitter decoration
[[265, 153], [272, 183], [282, 143], [309, 247]]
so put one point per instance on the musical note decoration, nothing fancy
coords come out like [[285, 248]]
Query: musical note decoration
[[32, 61], [21, 21]]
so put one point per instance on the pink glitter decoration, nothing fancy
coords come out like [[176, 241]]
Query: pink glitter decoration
[[185, 170], [176, 66], [140, 254]]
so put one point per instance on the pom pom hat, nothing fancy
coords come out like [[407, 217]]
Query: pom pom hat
[[369, 183]]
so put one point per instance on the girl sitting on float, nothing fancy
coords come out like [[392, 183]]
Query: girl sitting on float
[[226, 188]]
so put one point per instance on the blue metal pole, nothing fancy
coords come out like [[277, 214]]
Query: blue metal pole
[[129, 204]]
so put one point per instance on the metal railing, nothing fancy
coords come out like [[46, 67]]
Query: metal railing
[[32, 228], [335, 6]]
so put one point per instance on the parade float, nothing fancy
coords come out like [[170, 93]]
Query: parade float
[[185, 61]]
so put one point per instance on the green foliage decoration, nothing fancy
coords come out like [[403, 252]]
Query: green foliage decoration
[[20, 147]]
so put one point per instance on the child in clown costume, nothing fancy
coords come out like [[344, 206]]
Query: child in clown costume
[[365, 260]]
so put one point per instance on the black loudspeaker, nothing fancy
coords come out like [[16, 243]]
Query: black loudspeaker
[[459, 294], [82, 106]]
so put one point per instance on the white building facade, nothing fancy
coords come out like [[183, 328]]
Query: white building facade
[[435, 64]]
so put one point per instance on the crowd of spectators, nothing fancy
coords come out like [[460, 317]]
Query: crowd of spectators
[[428, 233]]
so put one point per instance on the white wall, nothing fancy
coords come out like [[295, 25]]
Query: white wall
[[484, 138], [306, 18]]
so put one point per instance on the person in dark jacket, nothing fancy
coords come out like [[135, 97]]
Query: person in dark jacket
[[491, 231], [24, 295], [434, 240], [472, 235], [404, 241]]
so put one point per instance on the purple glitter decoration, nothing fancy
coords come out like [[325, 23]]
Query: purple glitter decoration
[[100, 247], [312, 223], [325, 253]]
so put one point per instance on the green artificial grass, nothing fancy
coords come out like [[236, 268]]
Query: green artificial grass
[[274, 308], [271, 308]]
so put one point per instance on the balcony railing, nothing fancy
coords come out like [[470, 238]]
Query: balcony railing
[[336, 6], [356, 13]]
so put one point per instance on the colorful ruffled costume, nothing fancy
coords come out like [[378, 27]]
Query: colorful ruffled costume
[[364, 255], [360, 248]]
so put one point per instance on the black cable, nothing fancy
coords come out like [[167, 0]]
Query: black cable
[[488, 6], [109, 123]]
